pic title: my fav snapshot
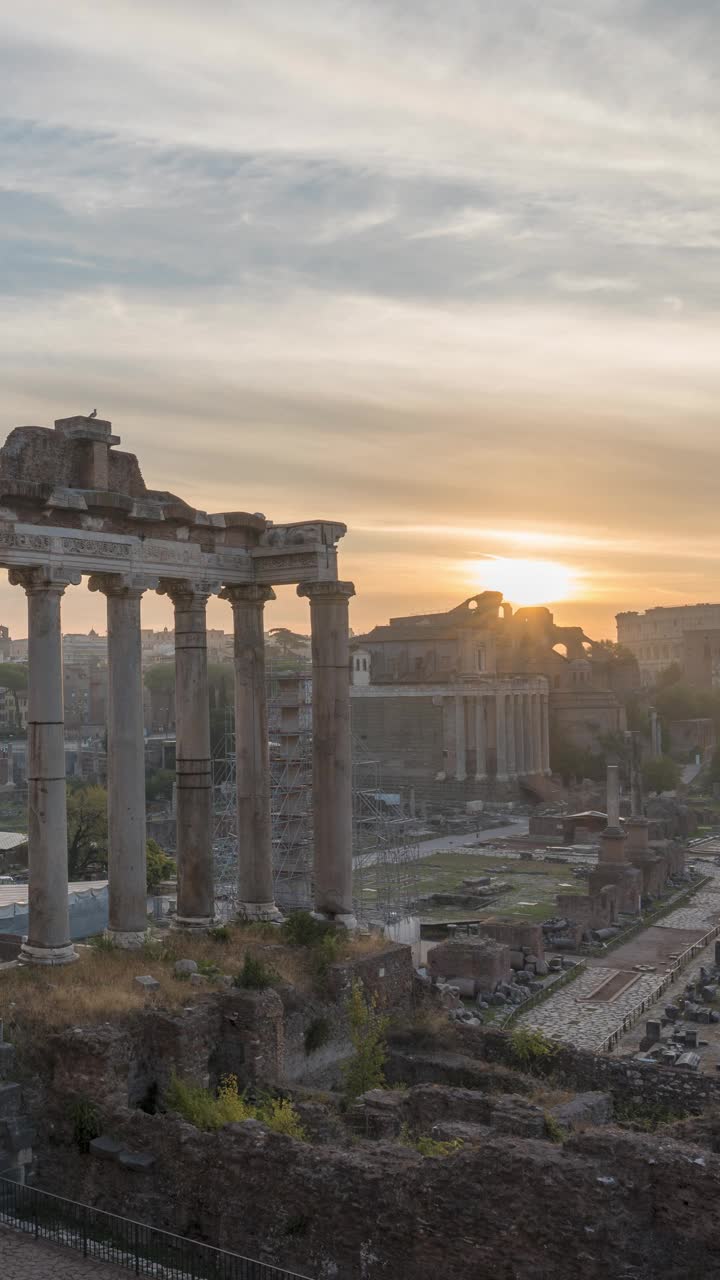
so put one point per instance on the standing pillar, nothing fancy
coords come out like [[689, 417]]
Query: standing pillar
[[252, 753], [535, 733], [500, 737], [545, 733], [510, 736], [48, 939], [518, 714], [480, 740], [193, 775], [460, 739], [127, 842], [332, 754]]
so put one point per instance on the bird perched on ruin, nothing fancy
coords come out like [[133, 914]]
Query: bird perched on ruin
[[93, 414]]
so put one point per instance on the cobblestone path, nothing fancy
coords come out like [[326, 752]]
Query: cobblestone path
[[569, 1017], [24, 1258]]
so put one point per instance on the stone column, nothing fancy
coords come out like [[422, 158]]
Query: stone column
[[49, 928], [332, 752], [545, 733], [127, 841], [510, 735], [536, 733], [193, 776], [517, 710], [500, 737], [255, 870], [460, 739], [613, 796], [480, 740]]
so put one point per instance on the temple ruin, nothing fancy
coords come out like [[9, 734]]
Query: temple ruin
[[73, 505]]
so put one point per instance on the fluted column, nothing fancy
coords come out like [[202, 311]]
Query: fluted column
[[500, 737], [127, 841], [332, 755], [480, 741], [48, 939], [255, 871], [537, 733], [193, 775], [520, 733], [510, 735], [460, 739], [545, 731]]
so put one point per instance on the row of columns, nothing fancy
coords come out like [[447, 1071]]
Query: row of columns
[[518, 723], [48, 936]]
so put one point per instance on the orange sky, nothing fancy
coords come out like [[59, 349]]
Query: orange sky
[[447, 273]]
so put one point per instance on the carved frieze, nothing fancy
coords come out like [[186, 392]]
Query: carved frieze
[[24, 541], [96, 547]]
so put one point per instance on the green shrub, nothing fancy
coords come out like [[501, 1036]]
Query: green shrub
[[86, 1123], [427, 1146], [207, 1111], [301, 929], [367, 1031], [220, 933], [553, 1129], [255, 974], [532, 1050], [160, 866], [101, 942], [317, 1034]]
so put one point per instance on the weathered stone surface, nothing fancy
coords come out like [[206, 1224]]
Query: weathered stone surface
[[148, 982], [585, 1109], [105, 1147], [481, 960], [183, 967]]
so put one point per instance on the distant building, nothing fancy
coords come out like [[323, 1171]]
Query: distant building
[[658, 637]]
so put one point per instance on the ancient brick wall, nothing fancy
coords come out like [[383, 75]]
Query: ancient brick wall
[[604, 1204]]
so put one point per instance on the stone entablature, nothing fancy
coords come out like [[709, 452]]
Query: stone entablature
[[72, 506]]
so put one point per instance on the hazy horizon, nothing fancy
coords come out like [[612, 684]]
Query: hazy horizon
[[445, 274]]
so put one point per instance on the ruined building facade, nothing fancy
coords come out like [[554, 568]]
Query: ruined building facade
[[468, 696], [72, 505]]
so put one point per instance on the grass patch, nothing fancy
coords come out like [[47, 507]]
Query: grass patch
[[255, 974], [205, 1110]]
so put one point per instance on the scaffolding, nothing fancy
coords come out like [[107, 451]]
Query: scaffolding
[[385, 852], [385, 848]]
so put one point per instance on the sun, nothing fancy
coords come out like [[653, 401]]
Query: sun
[[524, 582]]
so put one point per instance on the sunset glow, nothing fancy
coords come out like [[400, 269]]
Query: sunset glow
[[524, 582]]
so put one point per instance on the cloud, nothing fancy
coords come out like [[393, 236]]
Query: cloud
[[376, 257]]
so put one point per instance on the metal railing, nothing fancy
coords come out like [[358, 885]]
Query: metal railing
[[138, 1248]]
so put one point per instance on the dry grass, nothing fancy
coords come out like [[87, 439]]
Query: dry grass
[[100, 986]]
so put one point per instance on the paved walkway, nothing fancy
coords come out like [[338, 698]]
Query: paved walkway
[[24, 1258], [571, 1018]]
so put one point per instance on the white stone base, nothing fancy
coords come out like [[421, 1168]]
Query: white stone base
[[267, 911], [129, 940], [47, 955], [192, 924], [348, 921]]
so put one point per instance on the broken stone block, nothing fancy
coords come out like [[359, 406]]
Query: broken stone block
[[106, 1148], [541, 968], [672, 1013], [198, 979], [688, 1061], [183, 967], [137, 1160], [147, 981]]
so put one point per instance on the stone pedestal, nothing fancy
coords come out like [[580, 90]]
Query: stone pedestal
[[193, 791], [637, 836], [49, 929], [255, 889], [127, 842], [332, 755]]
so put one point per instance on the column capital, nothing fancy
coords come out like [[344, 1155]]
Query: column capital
[[39, 579], [128, 586], [247, 593], [188, 593], [331, 591]]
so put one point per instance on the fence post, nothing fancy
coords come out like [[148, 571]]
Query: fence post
[[84, 1230], [137, 1250]]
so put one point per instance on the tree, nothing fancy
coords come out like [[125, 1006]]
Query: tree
[[14, 676], [661, 773], [669, 676], [160, 678], [87, 828], [159, 784], [160, 866]]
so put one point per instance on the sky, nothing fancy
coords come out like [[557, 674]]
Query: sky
[[446, 272]]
